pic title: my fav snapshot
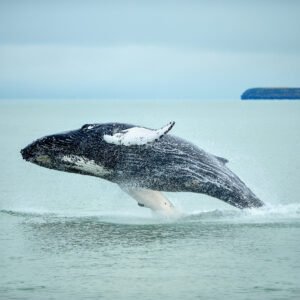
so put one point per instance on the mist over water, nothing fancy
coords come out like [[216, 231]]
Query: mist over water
[[71, 236]]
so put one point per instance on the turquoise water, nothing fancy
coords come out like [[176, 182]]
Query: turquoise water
[[66, 236]]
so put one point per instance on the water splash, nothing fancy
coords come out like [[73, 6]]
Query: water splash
[[267, 214]]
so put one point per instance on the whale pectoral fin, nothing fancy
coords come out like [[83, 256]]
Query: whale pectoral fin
[[154, 200], [137, 135]]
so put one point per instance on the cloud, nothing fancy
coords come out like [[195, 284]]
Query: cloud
[[266, 26], [146, 49]]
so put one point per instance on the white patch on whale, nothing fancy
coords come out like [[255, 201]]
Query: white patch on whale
[[84, 164], [137, 135], [44, 159], [154, 200]]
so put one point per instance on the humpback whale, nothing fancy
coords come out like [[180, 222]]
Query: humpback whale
[[143, 162]]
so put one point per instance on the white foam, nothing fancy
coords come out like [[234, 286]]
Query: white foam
[[269, 213]]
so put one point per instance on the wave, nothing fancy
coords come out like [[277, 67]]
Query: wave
[[117, 217], [266, 214]]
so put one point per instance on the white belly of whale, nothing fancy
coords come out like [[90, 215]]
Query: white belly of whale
[[86, 165]]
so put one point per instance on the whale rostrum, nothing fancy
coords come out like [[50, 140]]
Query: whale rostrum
[[143, 162]]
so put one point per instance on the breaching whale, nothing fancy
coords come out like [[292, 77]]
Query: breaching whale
[[143, 162]]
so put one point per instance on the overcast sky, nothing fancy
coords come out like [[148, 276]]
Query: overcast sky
[[147, 49]]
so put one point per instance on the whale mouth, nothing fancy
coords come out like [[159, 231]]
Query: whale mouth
[[27, 154], [30, 155]]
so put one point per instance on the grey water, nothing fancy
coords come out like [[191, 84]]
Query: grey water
[[67, 236]]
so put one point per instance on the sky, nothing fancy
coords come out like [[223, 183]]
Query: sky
[[147, 49]]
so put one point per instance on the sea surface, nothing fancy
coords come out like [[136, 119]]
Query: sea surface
[[67, 236]]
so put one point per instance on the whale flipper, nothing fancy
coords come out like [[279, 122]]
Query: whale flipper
[[137, 135], [154, 200]]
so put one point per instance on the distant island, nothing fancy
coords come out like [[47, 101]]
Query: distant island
[[271, 93]]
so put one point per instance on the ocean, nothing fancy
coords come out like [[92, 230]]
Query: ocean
[[67, 236]]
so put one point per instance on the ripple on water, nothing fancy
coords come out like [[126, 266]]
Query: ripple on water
[[267, 214]]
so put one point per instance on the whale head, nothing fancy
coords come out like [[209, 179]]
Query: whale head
[[81, 151]]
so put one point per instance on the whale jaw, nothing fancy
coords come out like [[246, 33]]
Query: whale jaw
[[31, 155]]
